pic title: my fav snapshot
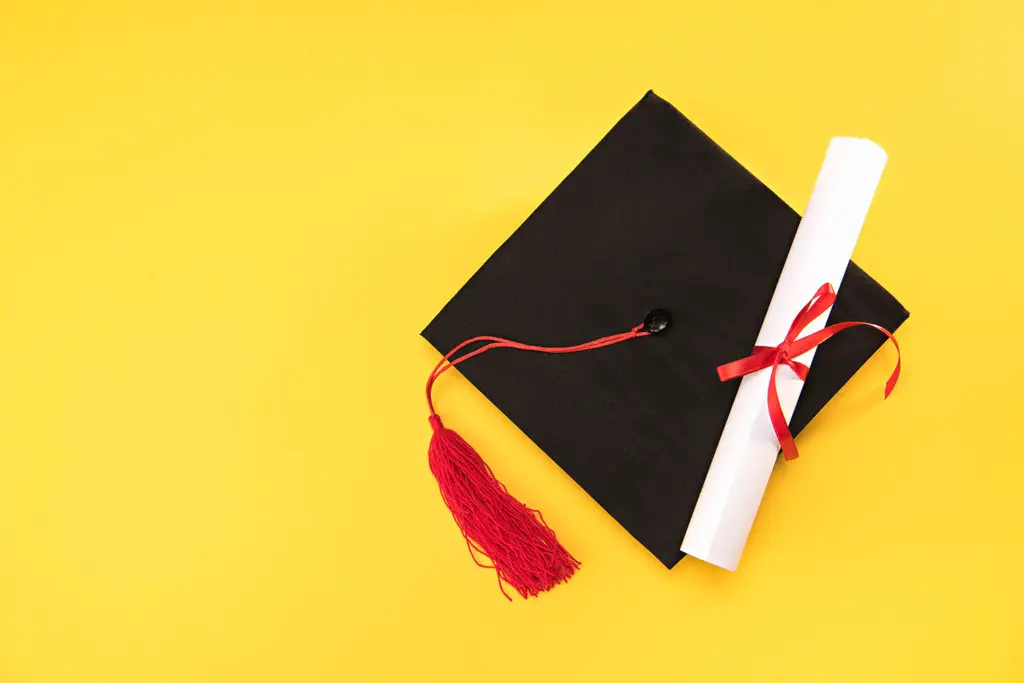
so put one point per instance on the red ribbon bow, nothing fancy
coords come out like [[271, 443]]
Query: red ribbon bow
[[791, 347]]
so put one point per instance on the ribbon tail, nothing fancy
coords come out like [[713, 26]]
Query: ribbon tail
[[778, 418], [805, 344], [890, 384]]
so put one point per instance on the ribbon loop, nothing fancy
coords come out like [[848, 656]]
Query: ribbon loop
[[793, 346]]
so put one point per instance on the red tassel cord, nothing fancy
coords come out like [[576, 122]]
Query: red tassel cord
[[521, 547]]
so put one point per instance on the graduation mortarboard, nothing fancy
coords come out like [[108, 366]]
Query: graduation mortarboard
[[657, 216]]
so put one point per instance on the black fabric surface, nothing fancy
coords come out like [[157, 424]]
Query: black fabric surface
[[656, 216]]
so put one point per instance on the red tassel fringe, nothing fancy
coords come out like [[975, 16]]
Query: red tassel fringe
[[520, 545]]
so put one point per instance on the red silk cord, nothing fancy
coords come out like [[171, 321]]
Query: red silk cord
[[792, 346], [521, 547], [447, 363]]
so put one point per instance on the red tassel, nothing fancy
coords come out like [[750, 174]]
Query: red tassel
[[521, 547]]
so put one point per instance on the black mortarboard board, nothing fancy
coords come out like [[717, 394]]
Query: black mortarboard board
[[656, 216]]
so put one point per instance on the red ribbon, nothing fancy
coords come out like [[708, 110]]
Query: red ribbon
[[783, 354]]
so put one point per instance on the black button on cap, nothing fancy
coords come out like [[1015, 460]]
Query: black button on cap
[[658, 320]]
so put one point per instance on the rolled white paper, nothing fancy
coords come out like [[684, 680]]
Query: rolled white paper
[[748, 447]]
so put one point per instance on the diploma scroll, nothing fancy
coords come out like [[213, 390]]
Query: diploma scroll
[[748, 447]]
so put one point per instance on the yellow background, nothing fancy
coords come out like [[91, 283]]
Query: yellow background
[[222, 227]]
